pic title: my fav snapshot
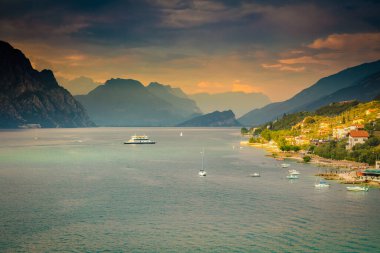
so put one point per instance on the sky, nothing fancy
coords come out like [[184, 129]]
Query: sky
[[276, 47]]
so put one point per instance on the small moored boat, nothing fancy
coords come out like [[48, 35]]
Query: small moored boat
[[294, 172], [254, 174], [202, 172], [357, 188], [322, 184], [285, 165]]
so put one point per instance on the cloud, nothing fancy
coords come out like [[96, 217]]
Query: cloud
[[237, 86], [299, 60], [351, 42], [283, 67], [219, 87]]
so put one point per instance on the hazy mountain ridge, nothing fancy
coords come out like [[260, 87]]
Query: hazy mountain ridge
[[364, 90], [78, 86], [324, 87], [127, 102], [174, 96], [239, 102], [214, 119], [28, 96]]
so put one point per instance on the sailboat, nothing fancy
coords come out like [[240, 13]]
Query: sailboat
[[202, 172], [181, 134]]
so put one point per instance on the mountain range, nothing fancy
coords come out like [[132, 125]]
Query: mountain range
[[318, 94], [127, 102], [28, 96], [239, 102]]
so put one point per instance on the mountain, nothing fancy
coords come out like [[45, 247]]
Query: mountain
[[324, 87], [28, 96], [174, 96], [214, 119], [78, 86], [239, 102], [127, 102], [364, 90]]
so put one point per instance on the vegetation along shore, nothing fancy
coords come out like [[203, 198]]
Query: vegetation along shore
[[342, 137]]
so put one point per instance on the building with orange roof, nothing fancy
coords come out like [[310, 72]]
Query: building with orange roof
[[356, 137]]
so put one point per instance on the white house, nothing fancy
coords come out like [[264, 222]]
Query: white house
[[356, 137]]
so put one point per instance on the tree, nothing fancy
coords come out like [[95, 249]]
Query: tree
[[244, 130], [266, 134], [309, 120]]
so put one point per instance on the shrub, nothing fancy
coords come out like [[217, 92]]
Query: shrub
[[306, 159]]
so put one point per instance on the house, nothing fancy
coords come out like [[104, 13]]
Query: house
[[370, 111], [356, 137], [301, 140], [340, 132], [356, 127]]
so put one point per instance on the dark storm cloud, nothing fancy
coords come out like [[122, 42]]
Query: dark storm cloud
[[160, 22]]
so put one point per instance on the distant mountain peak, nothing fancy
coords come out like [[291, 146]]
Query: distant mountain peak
[[156, 84], [120, 82]]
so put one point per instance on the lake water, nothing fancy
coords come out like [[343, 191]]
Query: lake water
[[83, 190]]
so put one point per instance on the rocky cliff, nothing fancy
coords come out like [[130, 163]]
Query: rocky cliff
[[28, 96]]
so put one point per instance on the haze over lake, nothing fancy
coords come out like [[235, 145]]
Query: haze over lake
[[84, 190]]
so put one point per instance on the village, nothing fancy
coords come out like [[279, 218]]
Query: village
[[346, 145]]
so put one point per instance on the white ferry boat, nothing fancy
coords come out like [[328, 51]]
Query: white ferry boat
[[139, 139]]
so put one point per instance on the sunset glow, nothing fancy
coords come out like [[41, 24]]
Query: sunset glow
[[200, 46]]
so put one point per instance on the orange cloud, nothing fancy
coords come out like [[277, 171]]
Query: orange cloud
[[283, 67], [78, 57], [299, 60], [271, 66], [355, 42], [217, 87]]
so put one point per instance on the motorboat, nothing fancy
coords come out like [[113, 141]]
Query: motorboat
[[322, 184], [357, 188], [254, 174], [285, 165], [294, 172], [292, 177]]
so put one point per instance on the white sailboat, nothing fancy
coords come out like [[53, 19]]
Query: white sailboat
[[181, 134], [202, 172]]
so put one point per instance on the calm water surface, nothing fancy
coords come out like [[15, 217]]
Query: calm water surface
[[78, 190]]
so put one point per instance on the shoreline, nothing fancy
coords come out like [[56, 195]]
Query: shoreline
[[339, 170]]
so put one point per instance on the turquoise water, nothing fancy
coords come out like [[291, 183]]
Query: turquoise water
[[83, 190]]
